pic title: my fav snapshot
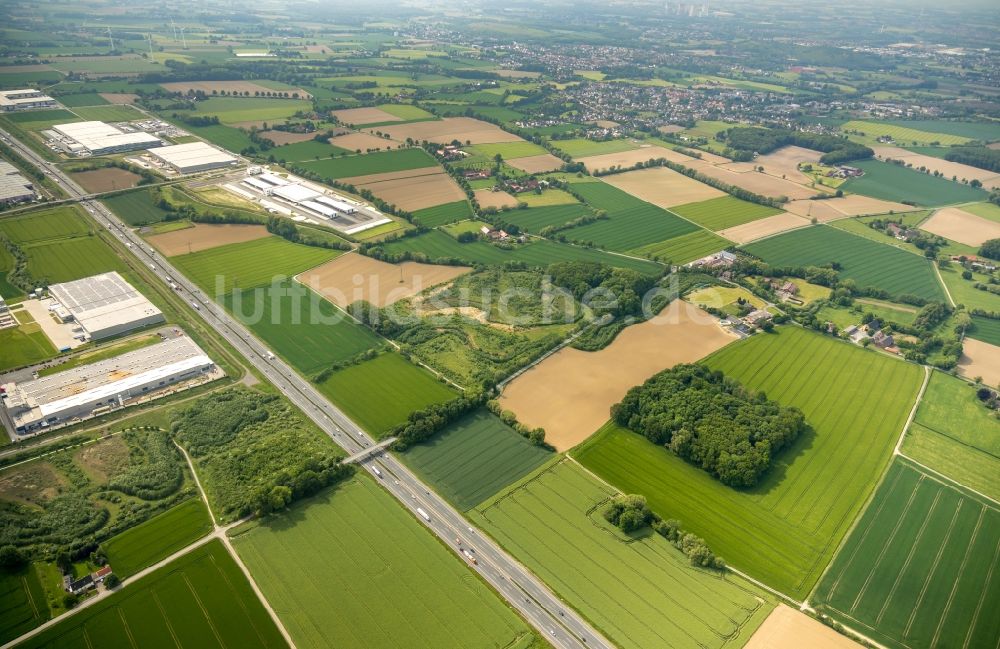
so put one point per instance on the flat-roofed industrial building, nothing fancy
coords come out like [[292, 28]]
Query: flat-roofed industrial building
[[14, 188], [110, 384], [103, 305], [24, 99], [96, 138], [193, 157]]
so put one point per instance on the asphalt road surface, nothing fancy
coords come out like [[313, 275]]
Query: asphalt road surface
[[559, 624]]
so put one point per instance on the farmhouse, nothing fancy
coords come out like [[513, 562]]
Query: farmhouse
[[723, 259], [14, 188], [97, 138], [25, 99], [192, 157], [97, 388], [757, 317], [103, 305]]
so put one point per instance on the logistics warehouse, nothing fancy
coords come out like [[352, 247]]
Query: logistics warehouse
[[97, 388], [97, 138], [192, 157], [102, 305]]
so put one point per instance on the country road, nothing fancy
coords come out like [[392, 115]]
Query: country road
[[560, 625]]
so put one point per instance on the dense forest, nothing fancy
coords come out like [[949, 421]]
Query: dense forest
[[975, 156], [711, 421], [745, 141]]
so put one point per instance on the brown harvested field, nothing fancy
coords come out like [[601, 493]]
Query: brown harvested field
[[980, 359], [203, 236], [961, 226], [633, 157], [363, 116], [489, 198], [391, 175], [536, 164], [786, 628], [284, 137], [362, 141], [755, 182], [858, 205], [822, 211], [450, 128], [352, 277], [570, 393], [417, 192], [662, 186], [229, 86], [763, 227], [119, 97], [783, 162], [670, 128], [711, 158], [990, 179], [106, 180]]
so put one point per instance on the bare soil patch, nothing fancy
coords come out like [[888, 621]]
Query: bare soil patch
[[204, 236], [230, 87], [119, 97], [632, 157], [822, 211], [284, 137], [102, 459], [352, 277], [786, 628], [31, 484], [463, 129], [670, 128], [106, 180], [418, 192], [990, 179], [961, 226], [980, 359], [536, 164], [763, 227], [362, 141], [489, 198], [662, 186], [363, 116], [570, 393], [755, 182], [831, 209]]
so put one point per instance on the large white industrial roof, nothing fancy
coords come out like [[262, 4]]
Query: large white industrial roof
[[97, 136], [295, 193], [103, 301], [192, 154]]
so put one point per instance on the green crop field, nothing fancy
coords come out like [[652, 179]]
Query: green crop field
[[964, 291], [228, 137], [440, 245], [308, 150], [201, 598], [893, 182], [902, 134], [250, 264], [986, 130], [582, 148], [986, 330], [547, 198], [34, 120], [431, 217], [632, 222], [535, 219], [22, 601], [136, 208], [111, 113], [372, 163], [53, 223], [24, 345], [954, 434], [867, 262], [474, 458], [62, 260], [231, 110], [723, 212], [989, 211], [82, 99], [784, 531], [685, 248], [157, 538], [637, 589], [508, 150], [380, 393], [350, 568], [920, 569], [305, 330]]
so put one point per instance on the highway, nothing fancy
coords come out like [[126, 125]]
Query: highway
[[559, 624]]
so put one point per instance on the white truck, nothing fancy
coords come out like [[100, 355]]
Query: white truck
[[376, 471], [424, 515], [269, 354]]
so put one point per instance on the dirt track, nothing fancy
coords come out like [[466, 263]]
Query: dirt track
[[570, 393]]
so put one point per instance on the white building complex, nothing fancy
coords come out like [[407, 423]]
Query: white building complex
[[14, 188], [24, 99], [98, 138], [192, 157], [91, 390], [103, 305]]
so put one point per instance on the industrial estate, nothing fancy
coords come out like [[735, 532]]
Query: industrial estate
[[579, 325]]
